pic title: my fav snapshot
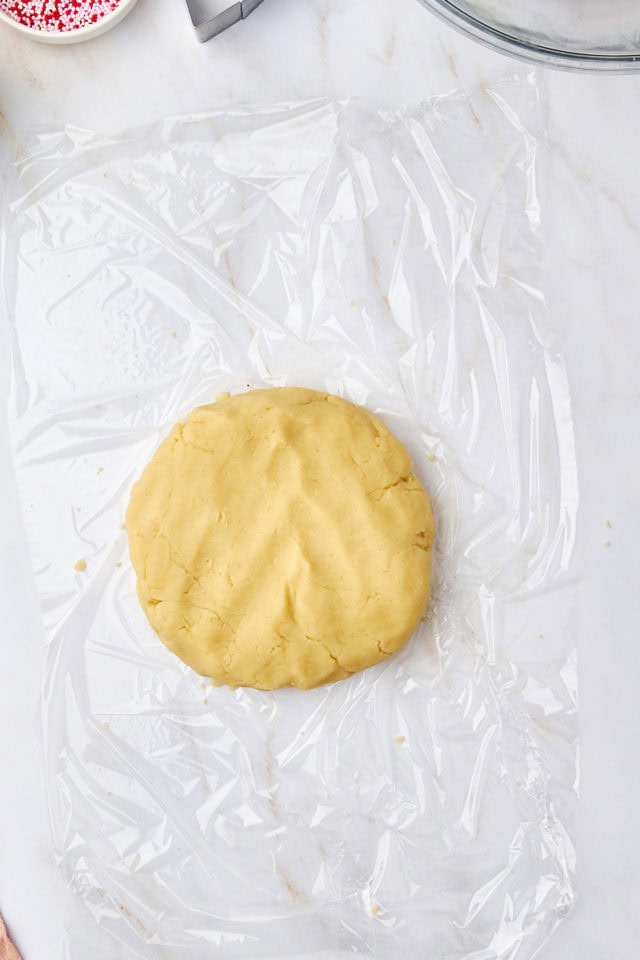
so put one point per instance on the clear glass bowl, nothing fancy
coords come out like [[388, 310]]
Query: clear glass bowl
[[574, 34]]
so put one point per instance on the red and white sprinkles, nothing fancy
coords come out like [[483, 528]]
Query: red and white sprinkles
[[58, 16]]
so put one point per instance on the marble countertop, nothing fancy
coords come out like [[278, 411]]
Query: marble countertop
[[396, 54]]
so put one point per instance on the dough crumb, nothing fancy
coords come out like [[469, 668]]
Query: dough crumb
[[400, 738], [173, 335], [100, 470], [123, 526], [608, 524], [80, 565], [106, 725], [119, 563], [607, 543], [352, 303], [431, 457], [374, 910]]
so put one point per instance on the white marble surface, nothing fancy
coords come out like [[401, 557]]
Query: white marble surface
[[397, 54]]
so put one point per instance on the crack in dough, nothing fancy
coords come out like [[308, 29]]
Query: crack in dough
[[280, 538]]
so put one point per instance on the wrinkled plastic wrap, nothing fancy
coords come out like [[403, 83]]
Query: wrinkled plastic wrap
[[423, 808]]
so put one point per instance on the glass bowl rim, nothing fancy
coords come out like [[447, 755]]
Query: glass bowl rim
[[508, 43]]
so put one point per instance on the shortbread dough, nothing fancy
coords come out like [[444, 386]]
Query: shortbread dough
[[281, 539]]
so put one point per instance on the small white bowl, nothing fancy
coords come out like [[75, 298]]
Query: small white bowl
[[72, 36]]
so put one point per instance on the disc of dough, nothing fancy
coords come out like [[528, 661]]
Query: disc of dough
[[280, 538]]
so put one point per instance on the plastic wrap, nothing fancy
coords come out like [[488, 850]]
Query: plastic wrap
[[423, 808]]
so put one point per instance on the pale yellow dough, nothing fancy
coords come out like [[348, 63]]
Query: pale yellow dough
[[280, 539]]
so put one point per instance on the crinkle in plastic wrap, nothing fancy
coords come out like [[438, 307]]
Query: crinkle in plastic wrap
[[423, 808]]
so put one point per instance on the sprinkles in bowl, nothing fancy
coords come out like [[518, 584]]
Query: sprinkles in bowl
[[58, 16]]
